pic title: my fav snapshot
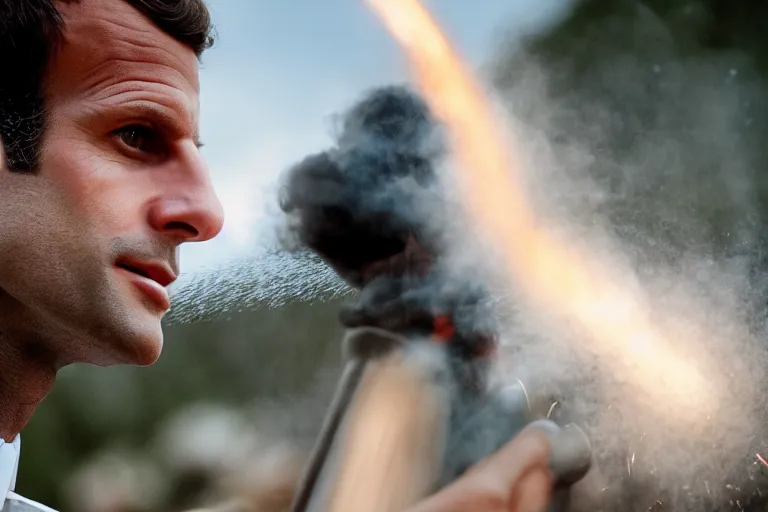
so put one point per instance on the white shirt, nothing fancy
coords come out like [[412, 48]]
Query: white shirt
[[9, 468]]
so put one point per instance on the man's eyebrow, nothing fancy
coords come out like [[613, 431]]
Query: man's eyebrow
[[177, 121]]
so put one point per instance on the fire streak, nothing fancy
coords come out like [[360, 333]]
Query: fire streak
[[558, 277]]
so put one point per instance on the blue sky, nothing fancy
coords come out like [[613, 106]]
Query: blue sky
[[281, 68]]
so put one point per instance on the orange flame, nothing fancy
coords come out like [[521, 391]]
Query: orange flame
[[563, 279]]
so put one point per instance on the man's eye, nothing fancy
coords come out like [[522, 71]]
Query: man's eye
[[141, 138]]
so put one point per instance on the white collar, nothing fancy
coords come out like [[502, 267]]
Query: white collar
[[9, 468]]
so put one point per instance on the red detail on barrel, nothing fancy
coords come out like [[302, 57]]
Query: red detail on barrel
[[442, 328], [444, 332]]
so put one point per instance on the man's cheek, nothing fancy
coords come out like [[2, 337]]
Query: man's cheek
[[107, 206]]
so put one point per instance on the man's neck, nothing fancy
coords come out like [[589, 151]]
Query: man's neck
[[27, 374]]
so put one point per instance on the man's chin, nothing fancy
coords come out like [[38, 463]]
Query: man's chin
[[141, 332], [147, 353], [146, 345], [109, 326], [136, 341]]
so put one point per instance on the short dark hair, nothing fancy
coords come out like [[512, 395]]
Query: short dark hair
[[30, 30]]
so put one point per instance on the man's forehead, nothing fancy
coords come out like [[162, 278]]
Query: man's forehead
[[111, 40]]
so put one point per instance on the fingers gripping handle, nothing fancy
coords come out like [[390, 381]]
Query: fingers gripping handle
[[570, 447], [570, 459]]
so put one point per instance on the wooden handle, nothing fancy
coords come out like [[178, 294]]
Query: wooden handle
[[388, 452]]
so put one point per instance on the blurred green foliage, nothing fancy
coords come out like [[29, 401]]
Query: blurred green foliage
[[234, 360]]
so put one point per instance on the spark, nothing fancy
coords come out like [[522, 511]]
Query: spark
[[551, 408], [525, 393]]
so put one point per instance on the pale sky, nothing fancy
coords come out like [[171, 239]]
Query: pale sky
[[281, 68]]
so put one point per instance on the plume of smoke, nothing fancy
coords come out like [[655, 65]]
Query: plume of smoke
[[377, 207], [360, 201], [644, 160]]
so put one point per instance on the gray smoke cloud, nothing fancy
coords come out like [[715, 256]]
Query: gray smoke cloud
[[647, 159]]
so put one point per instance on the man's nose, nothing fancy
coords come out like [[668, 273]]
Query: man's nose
[[189, 210]]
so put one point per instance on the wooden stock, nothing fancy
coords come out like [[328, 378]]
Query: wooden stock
[[388, 451]]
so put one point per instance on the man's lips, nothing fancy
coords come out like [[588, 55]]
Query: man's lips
[[150, 277]]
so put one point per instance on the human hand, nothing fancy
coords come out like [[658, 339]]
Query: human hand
[[521, 476]]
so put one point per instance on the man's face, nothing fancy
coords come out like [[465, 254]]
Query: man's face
[[89, 244]]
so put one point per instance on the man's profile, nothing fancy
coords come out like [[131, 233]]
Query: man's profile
[[102, 180]]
